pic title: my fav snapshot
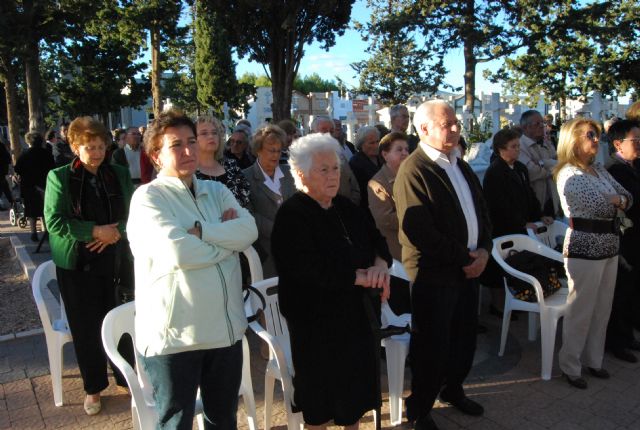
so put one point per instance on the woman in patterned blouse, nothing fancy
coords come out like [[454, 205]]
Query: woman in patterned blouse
[[590, 197], [211, 163]]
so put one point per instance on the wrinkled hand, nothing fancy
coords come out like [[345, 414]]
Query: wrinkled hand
[[103, 236], [375, 277], [229, 214], [475, 269]]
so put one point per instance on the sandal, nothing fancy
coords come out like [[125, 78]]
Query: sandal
[[92, 408]]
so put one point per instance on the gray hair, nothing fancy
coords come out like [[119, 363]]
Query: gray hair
[[318, 120], [362, 134], [395, 110], [424, 113], [263, 133], [527, 116], [301, 153]]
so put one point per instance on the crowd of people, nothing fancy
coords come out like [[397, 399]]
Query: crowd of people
[[165, 211]]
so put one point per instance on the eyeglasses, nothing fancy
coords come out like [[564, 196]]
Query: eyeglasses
[[271, 151], [591, 135], [449, 124], [233, 142], [632, 139]]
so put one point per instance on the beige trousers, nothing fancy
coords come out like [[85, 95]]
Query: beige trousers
[[591, 285]]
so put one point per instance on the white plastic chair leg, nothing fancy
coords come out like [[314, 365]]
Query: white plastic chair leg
[[55, 353], [533, 326], [269, 385], [548, 340], [506, 320], [396, 353], [246, 387], [200, 421]]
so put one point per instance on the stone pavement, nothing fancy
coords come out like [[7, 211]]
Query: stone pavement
[[509, 388]]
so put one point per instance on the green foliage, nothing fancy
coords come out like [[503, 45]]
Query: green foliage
[[255, 80], [576, 48], [274, 34], [214, 68], [313, 83]]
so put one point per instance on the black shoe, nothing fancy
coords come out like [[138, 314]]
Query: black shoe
[[599, 373], [578, 382], [425, 422], [634, 345], [624, 355], [34, 237], [464, 405]]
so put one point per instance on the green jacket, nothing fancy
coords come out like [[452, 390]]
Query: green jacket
[[65, 231]]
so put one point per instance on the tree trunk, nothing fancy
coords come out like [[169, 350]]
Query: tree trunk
[[32, 72], [11, 96], [469, 58], [156, 73]]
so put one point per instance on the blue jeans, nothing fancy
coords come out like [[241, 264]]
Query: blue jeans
[[176, 377]]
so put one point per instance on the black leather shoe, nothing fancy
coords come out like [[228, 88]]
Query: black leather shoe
[[634, 345], [464, 405], [599, 373], [425, 422], [578, 382], [624, 355]]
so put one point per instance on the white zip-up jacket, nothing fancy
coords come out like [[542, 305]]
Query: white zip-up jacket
[[188, 290]]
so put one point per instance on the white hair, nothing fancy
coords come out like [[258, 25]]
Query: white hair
[[319, 119], [362, 134], [424, 113], [301, 153]]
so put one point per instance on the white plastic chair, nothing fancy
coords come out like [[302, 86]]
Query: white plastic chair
[[280, 364], [56, 329], [119, 321], [397, 348], [549, 234], [551, 309]]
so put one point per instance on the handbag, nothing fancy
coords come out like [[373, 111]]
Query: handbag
[[546, 270]]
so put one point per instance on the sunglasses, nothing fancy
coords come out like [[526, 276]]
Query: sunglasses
[[591, 135]]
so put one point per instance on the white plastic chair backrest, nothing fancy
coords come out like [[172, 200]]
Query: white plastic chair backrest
[[519, 242], [255, 266], [276, 325], [550, 235], [117, 322], [44, 275], [388, 317]]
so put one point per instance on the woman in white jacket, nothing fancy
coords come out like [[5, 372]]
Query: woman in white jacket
[[185, 235]]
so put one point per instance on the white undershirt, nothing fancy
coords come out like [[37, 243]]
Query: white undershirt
[[450, 165], [272, 184], [133, 158]]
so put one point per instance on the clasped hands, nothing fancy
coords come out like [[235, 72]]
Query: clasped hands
[[376, 276], [103, 236], [476, 267]]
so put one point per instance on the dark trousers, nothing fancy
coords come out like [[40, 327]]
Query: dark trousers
[[87, 299], [620, 328], [443, 342], [176, 377]]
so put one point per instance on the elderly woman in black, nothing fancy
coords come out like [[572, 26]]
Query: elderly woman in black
[[326, 275], [86, 208], [512, 204]]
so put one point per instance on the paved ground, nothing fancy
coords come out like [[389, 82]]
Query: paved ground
[[509, 387]]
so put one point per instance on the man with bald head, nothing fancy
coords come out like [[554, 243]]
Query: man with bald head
[[446, 237]]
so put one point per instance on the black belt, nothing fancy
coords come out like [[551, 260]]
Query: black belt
[[595, 225]]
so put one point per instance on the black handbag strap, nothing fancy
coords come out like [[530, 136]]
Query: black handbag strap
[[248, 290]]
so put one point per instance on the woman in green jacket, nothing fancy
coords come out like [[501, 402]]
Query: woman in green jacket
[[86, 209]]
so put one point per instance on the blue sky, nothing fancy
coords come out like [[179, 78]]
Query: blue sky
[[350, 48]]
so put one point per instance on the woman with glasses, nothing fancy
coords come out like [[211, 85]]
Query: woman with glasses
[[271, 184], [590, 197], [238, 147], [213, 165]]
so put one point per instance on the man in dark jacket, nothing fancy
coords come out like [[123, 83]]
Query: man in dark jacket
[[445, 235], [5, 162]]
